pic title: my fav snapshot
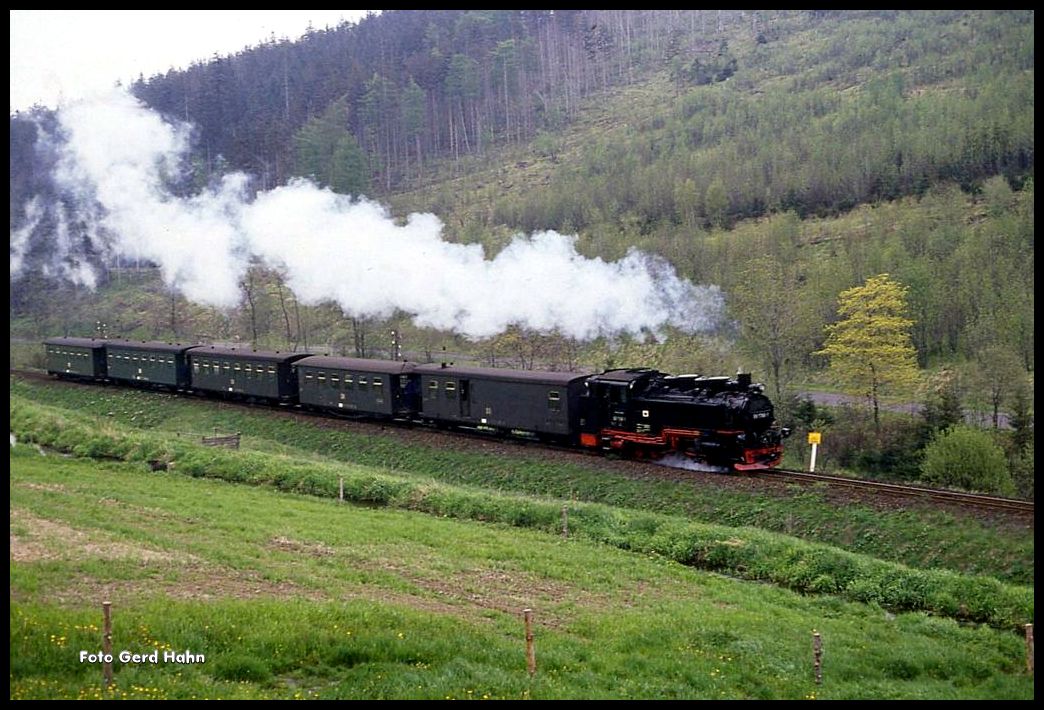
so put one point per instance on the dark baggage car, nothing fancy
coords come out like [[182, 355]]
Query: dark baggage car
[[76, 357], [377, 387], [525, 402], [151, 363], [252, 373]]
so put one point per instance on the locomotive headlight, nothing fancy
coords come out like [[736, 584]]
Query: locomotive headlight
[[784, 432]]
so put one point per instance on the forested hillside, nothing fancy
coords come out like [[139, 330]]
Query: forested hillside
[[786, 157]]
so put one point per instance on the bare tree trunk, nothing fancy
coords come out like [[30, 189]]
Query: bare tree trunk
[[360, 327], [302, 332], [247, 284], [174, 312], [286, 315], [873, 395]]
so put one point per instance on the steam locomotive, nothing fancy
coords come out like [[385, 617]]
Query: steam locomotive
[[637, 412]]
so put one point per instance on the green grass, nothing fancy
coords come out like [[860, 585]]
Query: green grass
[[742, 552], [290, 596], [919, 537]]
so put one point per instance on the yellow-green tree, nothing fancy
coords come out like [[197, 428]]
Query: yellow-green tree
[[870, 348]]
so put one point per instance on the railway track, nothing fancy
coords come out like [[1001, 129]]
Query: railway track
[[977, 500]]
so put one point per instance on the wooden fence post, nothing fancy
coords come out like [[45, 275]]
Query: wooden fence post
[[1029, 648], [107, 643], [565, 521], [530, 651], [340, 490], [817, 655]]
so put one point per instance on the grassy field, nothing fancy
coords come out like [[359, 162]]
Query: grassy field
[[919, 537], [290, 596]]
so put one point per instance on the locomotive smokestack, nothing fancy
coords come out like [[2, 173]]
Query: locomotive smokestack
[[743, 378]]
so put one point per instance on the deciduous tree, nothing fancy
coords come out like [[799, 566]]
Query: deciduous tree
[[870, 348], [765, 303]]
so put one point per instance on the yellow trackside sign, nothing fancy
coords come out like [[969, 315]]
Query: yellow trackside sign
[[815, 437]]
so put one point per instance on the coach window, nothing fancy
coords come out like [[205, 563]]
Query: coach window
[[335, 382], [349, 381], [451, 390], [378, 383], [271, 370], [554, 401]]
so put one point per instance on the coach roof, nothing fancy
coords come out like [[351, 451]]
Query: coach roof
[[499, 373], [388, 367], [77, 342], [243, 354], [153, 345]]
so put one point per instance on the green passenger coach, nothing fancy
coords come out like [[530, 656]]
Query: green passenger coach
[[76, 357], [148, 362], [251, 373], [344, 384]]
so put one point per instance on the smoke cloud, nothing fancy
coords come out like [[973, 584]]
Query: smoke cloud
[[116, 159]]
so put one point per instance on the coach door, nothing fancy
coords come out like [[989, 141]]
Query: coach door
[[465, 398]]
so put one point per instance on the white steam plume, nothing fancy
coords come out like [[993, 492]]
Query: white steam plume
[[119, 155], [684, 462], [117, 158], [20, 237]]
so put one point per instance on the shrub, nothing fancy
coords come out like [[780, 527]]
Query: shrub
[[966, 458]]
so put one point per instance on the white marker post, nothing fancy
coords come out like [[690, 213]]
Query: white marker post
[[814, 438]]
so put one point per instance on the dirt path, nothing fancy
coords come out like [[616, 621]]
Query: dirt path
[[832, 399]]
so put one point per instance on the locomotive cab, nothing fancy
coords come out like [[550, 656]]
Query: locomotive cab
[[608, 405]]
